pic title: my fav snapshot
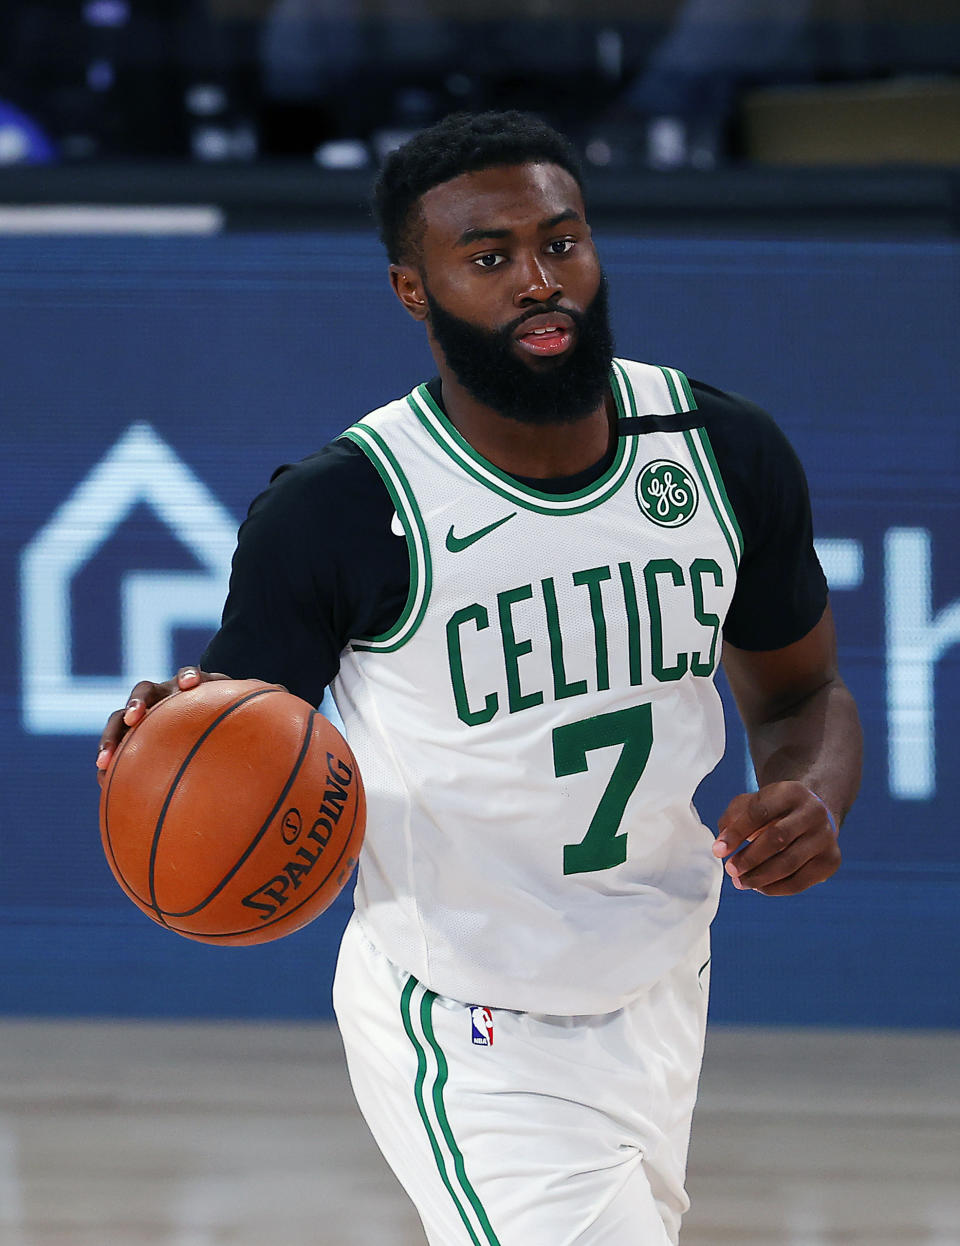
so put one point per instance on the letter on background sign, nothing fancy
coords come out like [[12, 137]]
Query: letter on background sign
[[916, 640], [139, 469]]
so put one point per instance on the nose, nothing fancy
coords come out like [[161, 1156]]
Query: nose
[[537, 283]]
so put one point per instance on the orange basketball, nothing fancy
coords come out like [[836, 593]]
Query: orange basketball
[[232, 813]]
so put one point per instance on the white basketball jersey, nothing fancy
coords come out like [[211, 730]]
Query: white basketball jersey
[[532, 729]]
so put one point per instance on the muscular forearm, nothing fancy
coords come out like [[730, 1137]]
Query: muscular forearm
[[805, 739], [817, 742]]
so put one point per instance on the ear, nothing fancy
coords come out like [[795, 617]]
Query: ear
[[408, 287]]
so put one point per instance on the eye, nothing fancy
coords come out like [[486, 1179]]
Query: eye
[[490, 260], [561, 246]]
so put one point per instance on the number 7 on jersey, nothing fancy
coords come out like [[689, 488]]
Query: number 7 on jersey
[[603, 846]]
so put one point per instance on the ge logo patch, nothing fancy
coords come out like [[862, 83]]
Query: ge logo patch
[[667, 493]]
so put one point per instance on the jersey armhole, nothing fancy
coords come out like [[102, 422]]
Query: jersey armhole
[[705, 462], [397, 485], [708, 470]]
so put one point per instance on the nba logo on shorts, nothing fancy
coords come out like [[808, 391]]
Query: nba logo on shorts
[[481, 1021]]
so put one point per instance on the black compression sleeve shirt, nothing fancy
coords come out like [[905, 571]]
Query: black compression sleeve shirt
[[781, 590], [318, 564]]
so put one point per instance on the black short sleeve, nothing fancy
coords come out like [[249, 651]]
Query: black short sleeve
[[316, 565], [781, 589]]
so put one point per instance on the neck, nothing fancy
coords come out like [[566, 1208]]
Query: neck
[[538, 451]]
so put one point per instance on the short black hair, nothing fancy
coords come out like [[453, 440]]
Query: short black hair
[[460, 143]]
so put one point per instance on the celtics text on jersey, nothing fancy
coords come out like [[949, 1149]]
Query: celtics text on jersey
[[533, 727]]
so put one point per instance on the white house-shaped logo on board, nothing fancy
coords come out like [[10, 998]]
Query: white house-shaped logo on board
[[139, 469]]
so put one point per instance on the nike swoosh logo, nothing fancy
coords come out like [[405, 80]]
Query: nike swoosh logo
[[456, 544]]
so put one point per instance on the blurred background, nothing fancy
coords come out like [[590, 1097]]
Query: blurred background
[[662, 83], [191, 293]]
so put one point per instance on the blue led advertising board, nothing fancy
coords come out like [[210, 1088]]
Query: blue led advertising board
[[150, 387]]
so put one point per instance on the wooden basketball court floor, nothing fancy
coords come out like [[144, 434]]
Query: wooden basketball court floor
[[246, 1135]]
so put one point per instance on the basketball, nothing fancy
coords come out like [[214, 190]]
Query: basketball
[[233, 813]]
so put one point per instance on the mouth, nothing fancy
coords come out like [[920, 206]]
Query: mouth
[[546, 335]]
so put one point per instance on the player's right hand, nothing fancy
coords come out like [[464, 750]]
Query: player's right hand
[[141, 698]]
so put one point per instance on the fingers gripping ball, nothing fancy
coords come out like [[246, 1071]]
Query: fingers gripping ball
[[233, 813]]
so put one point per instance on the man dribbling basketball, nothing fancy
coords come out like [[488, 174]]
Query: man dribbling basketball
[[518, 581]]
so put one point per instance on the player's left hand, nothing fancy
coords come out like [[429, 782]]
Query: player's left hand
[[790, 844]]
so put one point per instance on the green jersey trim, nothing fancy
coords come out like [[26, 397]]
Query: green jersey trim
[[463, 454], [698, 443], [450, 1154], [718, 476], [418, 547], [623, 390], [681, 395], [704, 460]]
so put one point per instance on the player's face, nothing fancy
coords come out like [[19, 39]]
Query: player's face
[[513, 293]]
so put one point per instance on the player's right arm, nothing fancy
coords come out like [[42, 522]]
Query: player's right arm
[[316, 565]]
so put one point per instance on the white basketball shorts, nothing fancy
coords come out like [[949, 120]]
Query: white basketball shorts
[[517, 1129]]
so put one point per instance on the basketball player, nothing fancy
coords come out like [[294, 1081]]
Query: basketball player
[[519, 581]]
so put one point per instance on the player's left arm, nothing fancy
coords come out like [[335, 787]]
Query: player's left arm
[[806, 743]]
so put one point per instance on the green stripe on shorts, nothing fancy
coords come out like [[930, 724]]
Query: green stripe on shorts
[[453, 1151]]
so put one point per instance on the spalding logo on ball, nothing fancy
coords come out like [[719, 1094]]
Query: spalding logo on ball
[[233, 813]]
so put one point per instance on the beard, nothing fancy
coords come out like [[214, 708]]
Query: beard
[[559, 391]]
